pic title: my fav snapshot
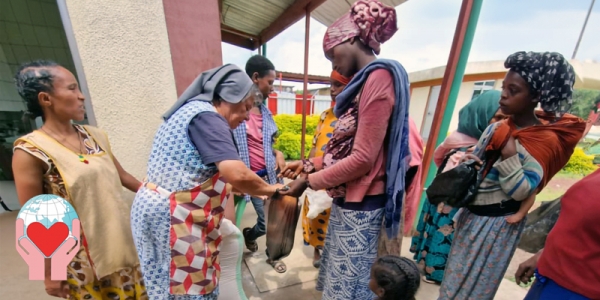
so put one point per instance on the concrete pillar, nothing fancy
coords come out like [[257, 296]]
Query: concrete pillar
[[124, 50], [194, 29]]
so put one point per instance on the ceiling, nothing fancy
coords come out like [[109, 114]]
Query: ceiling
[[251, 23]]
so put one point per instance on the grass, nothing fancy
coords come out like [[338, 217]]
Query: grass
[[558, 186]]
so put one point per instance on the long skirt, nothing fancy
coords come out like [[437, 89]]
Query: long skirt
[[479, 257], [150, 223], [127, 283], [349, 252], [432, 244]]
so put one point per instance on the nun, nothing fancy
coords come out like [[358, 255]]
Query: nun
[[194, 163]]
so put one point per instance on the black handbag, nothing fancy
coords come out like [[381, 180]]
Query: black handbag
[[458, 187]]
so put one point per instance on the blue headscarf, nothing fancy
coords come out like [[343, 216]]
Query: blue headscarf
[[398, 151]]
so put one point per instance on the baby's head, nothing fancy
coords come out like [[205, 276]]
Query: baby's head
[[394, 277]]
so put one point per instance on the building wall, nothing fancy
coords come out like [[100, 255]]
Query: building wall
[[418, 104], [124, 49], [464, 97]]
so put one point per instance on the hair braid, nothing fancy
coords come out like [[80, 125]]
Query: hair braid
[[31, 79], [398, 276]]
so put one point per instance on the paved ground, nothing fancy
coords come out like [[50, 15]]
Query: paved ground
[[14, 283]]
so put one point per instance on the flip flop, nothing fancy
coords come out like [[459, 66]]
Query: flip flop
[[317, 263], [278, 266], [428, 281], [251, 245]]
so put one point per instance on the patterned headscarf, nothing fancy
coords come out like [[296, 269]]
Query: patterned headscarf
[[371, 21], [547, 73]]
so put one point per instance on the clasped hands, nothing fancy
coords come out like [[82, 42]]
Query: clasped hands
[[293, 171]]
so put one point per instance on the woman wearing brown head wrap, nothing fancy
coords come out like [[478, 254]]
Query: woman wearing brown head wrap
[[365, 162]]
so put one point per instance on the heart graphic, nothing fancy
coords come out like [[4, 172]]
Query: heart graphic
[[47, 239]]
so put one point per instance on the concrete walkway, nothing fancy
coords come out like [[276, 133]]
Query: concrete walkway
[[14, 283]]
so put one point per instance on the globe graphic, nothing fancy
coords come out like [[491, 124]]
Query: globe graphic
[[48, 210]]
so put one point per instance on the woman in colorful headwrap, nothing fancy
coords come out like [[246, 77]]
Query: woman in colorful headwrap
[[366, 160], [314, 230], [538, 144], [436, 226], [177, 213]]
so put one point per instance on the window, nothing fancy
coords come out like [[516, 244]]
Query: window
[[482, 86], [28, 38], [434, 94]]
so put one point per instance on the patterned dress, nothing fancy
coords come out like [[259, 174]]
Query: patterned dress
[[352, 235], [314, 230], [125, 284], [176, 215]]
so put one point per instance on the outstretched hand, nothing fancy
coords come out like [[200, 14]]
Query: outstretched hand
[[295, 188], [291, 170]]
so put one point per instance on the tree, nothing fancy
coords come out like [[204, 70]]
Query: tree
[[584, 101]]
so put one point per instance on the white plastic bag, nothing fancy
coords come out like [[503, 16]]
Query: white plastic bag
[[318, 202]]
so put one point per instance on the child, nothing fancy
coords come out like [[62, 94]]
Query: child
[[394, 277], [523, 211]]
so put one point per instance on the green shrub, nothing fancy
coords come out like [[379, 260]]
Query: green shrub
[[289, 140], [580, 163]]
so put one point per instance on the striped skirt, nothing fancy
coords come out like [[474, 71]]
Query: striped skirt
[[480, 254], [349, 252]]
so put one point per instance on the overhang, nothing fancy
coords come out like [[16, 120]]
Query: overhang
[[251, 23]]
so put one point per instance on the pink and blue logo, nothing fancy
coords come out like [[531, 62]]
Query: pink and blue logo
[[47, 227]]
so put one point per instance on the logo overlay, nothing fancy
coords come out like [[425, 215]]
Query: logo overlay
[[47, 226]]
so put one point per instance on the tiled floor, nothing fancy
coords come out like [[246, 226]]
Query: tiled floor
[[14, 282], [508, 290]]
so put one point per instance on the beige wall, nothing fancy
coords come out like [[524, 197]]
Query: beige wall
[[124, 49], [464, 96], [418, 104]]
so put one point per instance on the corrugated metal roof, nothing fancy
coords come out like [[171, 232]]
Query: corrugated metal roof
[[252, 16], [331, 10], [248, 23]]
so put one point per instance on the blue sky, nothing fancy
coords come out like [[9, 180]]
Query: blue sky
[[426, 29]]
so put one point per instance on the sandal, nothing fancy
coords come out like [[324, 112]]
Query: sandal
[[278, 265], [317, 263], [251, 245], [429, 281]]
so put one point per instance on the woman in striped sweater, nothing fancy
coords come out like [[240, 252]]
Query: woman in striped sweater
[[539, 145]]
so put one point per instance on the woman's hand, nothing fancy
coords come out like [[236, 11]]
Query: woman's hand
[[510, 149], [470, 156], [57, 288], [527, 268], [295, 188], [292, 170]]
